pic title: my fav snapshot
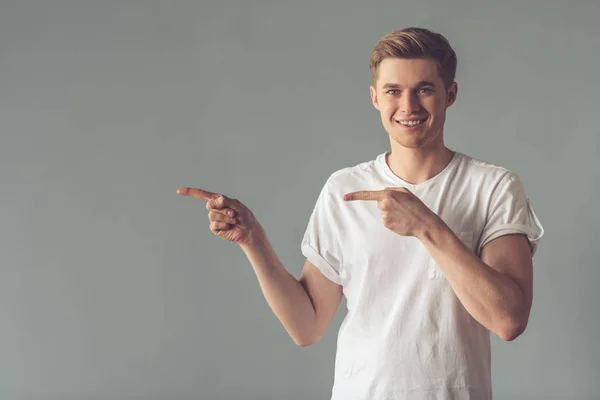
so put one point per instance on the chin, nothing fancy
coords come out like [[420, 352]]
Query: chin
[[415, 140], [410, 143], [410, 139]]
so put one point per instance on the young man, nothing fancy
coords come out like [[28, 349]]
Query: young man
[[432, 248]]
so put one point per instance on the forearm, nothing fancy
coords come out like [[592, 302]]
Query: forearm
[[284, 293], [493, 299]]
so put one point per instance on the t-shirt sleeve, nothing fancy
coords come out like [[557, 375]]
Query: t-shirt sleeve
[[320, 244], [511, 212]]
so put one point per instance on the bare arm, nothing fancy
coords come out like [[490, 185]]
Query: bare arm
[[304, 306], [497, 290]]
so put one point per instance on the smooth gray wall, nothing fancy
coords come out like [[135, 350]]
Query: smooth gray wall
[[113, 287]]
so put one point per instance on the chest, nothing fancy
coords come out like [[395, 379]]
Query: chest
[[377, 260]]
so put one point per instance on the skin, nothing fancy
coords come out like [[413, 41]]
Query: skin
[[304, 306], [495, 289], [408, 89]]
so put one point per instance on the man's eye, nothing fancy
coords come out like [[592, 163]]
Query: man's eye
[[425, 90], [393, 92]]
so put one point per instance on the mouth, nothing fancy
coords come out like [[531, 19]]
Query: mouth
[[411, 123]]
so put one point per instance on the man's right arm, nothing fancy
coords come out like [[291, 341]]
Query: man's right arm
[[304, 306]]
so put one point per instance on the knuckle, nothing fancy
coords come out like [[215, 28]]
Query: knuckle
[[387, 217]]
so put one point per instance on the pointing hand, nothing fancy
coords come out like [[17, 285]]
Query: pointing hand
[[402, 212], [229, 218]]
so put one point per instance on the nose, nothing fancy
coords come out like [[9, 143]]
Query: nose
[[409, 103]]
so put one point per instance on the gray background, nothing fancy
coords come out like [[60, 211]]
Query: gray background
[[113, 287]]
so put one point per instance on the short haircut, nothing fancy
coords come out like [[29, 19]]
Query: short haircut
[[415, 43]]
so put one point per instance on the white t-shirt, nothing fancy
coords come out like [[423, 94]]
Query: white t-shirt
[[406, 335]]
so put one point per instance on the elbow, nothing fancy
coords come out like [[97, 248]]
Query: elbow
[[301, 343], [512, 329], [305, 341]]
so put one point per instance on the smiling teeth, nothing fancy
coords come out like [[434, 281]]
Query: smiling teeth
[[411, 123]]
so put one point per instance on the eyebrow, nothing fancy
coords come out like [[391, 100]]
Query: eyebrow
[[418, 85]]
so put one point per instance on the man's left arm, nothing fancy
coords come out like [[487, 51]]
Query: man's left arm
[[496, 289], [495, 283]]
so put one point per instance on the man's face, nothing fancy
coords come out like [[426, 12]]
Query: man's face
[[412, 100]]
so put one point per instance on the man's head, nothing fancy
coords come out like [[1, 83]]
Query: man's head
[[413, 73]]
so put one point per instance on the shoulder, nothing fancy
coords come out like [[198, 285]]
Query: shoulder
[[482, 172], [351, 176]]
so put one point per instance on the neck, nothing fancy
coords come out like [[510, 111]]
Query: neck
[[416, 165]]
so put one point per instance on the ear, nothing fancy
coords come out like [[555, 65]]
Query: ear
[[374, 98], [451, 94]]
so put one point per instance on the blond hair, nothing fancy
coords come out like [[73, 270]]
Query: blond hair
[[415, 43]]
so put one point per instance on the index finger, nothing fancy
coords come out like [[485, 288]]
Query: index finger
[[197, 193], [365, 195]]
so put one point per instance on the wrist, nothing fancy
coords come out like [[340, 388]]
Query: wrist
[[432, 229], [256, 240]]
